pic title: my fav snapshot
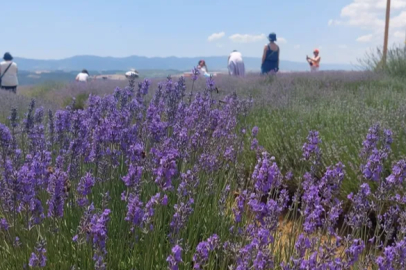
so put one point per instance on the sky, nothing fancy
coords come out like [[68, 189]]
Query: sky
[[343, 30]]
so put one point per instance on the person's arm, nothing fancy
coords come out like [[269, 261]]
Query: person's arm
[[279, 53], [264, 54], [77, 77]]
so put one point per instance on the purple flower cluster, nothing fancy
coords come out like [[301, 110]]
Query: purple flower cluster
[[84, 188], [38, 258], [203, 250], [311, 149], [175, 258], [266, 175], [98, 232]]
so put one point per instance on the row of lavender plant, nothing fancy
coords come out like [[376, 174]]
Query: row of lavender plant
[[127, 184]]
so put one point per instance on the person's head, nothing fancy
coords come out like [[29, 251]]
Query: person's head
[[7, 57], [272, 37], [202, 63], [85, 71], [316, 52], [235, 51]]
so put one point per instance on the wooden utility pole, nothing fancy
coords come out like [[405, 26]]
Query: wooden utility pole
[[385, 42]]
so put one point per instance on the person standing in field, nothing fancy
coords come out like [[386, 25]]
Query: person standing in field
[[82, 76], [8, 74], [236, 65], [270, 56], [315, 61], [202, 67]]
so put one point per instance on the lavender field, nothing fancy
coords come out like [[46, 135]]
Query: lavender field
[[294, 171]]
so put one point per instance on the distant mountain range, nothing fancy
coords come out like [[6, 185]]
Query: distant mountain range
[[97, 63]]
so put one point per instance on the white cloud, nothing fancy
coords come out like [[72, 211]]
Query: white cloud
[[370, 14], [366, 38], [282, 40], [297, 46], [216, 36], [399, 34], [246, 38], [334, 22]]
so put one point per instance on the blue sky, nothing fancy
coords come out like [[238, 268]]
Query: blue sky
[[342, 29]]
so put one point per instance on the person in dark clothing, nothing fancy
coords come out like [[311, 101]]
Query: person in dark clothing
[[270, 57]]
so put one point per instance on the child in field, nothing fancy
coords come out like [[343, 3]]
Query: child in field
[[202, 67], [82, 76], [236, 65], [314, 62]]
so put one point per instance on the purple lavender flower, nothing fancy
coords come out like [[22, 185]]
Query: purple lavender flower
[[195, 73], [266, 214], [239, 206], [38, 258], [4, 224], [188, 184], [266, 175], [393, 257], [210, 83], [98, 231], [167, 169], [302, 245], [133, 177], [149, 209], [255, 131], [371, 141], [182, 213], [84, 188], [135, 211], [388, 140], [175, 258], [203, 249], [311, 147], [5, 139], [56, 190], [398, 174], [361, 206], [374, 167], [254, 144], [164, 200], [353, 252]]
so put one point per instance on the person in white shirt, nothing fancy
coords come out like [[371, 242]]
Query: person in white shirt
[[8, 74], [83, 76], [202, 67], [236, 65]]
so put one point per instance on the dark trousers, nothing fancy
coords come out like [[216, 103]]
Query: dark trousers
[[10, 88]]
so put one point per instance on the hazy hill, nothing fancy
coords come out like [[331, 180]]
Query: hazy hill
[[158, 63]]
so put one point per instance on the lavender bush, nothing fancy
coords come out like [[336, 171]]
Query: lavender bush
[[182, 179]]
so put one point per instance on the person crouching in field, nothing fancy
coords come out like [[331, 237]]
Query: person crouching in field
[[236, 65], [202, 67], [8, 74], [314, 62], [82, 76], [270, 57]]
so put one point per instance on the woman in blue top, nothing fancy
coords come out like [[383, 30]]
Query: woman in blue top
[[270, 57]]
